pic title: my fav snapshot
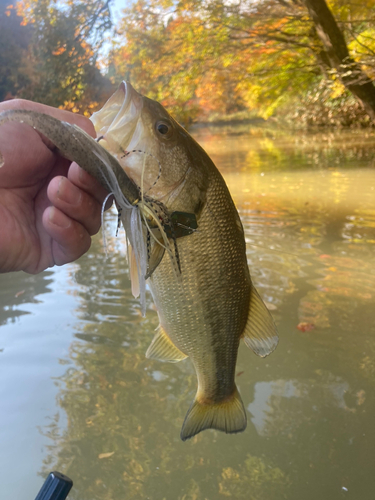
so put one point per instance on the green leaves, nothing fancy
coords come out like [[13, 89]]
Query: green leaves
[[62, 50], [214, 57], [200, 59]]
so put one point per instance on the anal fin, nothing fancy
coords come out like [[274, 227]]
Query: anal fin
[[260, 333], [163, 349]]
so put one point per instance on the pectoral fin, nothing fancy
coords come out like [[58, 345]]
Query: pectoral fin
[[260, 332], [163, 349]]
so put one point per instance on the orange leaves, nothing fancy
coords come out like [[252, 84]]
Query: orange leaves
[[213, 56], [305, 327], [24, 10], [207, 56], [58, 51]]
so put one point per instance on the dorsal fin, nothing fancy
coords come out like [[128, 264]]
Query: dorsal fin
[[260, 333], [163, 349]]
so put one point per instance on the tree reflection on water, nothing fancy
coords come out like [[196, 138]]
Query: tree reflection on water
[[310, 242], [12, 297]]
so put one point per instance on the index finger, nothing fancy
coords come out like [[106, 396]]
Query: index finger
[[60, 114], [25, 150]]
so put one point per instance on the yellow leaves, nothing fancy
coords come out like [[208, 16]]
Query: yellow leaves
[[361, 397], [252, 480], [337, 89], [368, 366], [229, 473], [70, 106], [105, 455], [136, 468]]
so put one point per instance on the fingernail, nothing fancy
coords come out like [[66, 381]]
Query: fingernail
[[58, 218], [68, 193]]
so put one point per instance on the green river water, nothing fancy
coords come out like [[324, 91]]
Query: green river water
[[79, 396]]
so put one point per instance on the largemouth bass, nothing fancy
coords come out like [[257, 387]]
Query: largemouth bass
[[202, 289]]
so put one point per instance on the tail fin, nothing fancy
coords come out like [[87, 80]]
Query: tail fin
[[228, 416]]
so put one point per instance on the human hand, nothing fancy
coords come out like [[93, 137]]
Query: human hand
[[49, 207]]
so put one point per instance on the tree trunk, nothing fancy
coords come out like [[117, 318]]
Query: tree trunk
[[349, 72]]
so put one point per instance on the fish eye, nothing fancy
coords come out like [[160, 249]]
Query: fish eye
[[164, 128]]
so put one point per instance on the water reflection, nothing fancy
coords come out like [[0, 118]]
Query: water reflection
[[310, 242], [309, 220], [263, 149], [125, 412], [278, 406], [17, 290], [308, 236]]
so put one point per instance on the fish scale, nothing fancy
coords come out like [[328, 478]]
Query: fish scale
[[201, 286], [213, 297]]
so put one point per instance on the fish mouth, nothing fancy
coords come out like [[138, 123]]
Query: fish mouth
[[118, 124]]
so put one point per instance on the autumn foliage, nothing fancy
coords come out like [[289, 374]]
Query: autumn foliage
[[57, 65], [203, 60]]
